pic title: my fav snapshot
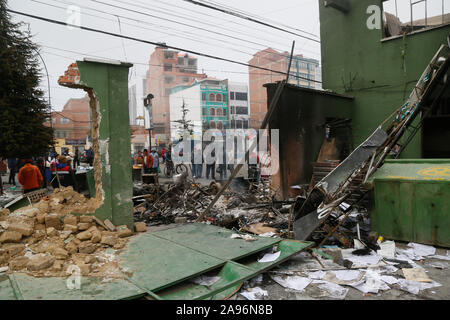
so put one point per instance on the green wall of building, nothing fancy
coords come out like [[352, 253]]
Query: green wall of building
[[356, 62]]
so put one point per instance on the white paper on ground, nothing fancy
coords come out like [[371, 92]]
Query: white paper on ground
[[292, 282], [414, 287], [269, 257], [205, 281], [256, 293], [440, 257], [358, 244], [316, 275], [389, 279], [334, 290], [387, 250], [371, 283], [346, 275], [362, 261], [268, 234], [246, 237], [421, 249]]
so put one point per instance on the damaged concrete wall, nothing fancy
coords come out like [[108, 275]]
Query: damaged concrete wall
[[300, 116], [107, 87]]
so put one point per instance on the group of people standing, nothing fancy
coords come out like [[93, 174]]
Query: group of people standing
[[148, 160]]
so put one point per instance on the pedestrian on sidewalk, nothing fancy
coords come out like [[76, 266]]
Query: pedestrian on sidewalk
[[155, 165], [76, 159], [12, 166], [30, 177], [211, 168]]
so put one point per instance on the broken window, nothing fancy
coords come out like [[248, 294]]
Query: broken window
[[405, 16]]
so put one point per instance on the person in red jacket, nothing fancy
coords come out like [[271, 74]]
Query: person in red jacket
[[30, 177], [148, 161]]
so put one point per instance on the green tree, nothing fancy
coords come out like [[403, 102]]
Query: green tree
[[23, 109]]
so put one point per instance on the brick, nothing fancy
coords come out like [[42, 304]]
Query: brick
[[39, 234], [10, 237], [84, 226], [109, 240], [58, 265], [96, 236], [60, 253], [86, 219], [83, 236], [140, 227], [72, 247], [71, 228], [19, 263], [87, 247], [52, 232], [22, 228], [53, 220], [123, 231], [70, 219], [110, 225], [13, 249], [40, 262], [41, 218], [84, 268]]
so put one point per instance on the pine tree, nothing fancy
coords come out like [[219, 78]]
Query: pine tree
[[23, 109]]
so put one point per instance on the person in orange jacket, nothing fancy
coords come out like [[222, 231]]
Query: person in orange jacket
[[30, 177], [148, 161]]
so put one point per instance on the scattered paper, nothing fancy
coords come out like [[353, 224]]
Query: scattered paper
[[269, 257], [387, 250], [268, 234], [316, 274], [205, 280], [422, 250], [415, 274], [371, 283], [246, 237], [347, 275], [357, 244], [440, 257], [293, 282], [334, 290], [389, 279], [361, 261], [255, 293], [414, 287]]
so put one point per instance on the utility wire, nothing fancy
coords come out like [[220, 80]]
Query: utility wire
[[181, 23], [249, 19], [153, 43]]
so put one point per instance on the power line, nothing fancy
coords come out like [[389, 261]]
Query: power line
[[249, 19], [153, 43], [184, 24]]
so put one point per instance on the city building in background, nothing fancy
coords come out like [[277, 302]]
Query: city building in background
[[71, 125], [207, 102], [304, 72], [168, 69], [239, 115]]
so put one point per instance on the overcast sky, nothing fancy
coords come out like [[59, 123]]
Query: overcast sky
[[192, 27]]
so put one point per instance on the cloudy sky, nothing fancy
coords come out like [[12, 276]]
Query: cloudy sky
[[191, 27]]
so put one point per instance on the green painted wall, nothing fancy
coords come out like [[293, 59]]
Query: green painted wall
[[356, 62], [110, 83]]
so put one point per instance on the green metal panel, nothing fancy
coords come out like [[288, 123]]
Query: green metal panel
[[32, 288], [6, 289], [158, 263], [379, 74], [215, 241], [110, 83], [411, 201]]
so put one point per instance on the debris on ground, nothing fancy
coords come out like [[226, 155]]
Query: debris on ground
[[52, 236]]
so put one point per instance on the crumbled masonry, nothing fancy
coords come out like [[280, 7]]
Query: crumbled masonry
[[50, 237]]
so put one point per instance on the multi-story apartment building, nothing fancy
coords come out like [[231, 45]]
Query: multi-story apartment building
[[207, 102], [72, 124], [239, 114], [304, 72], [168, 69]]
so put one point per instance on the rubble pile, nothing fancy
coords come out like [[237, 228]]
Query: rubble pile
[[240, 207], [51, 237]]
